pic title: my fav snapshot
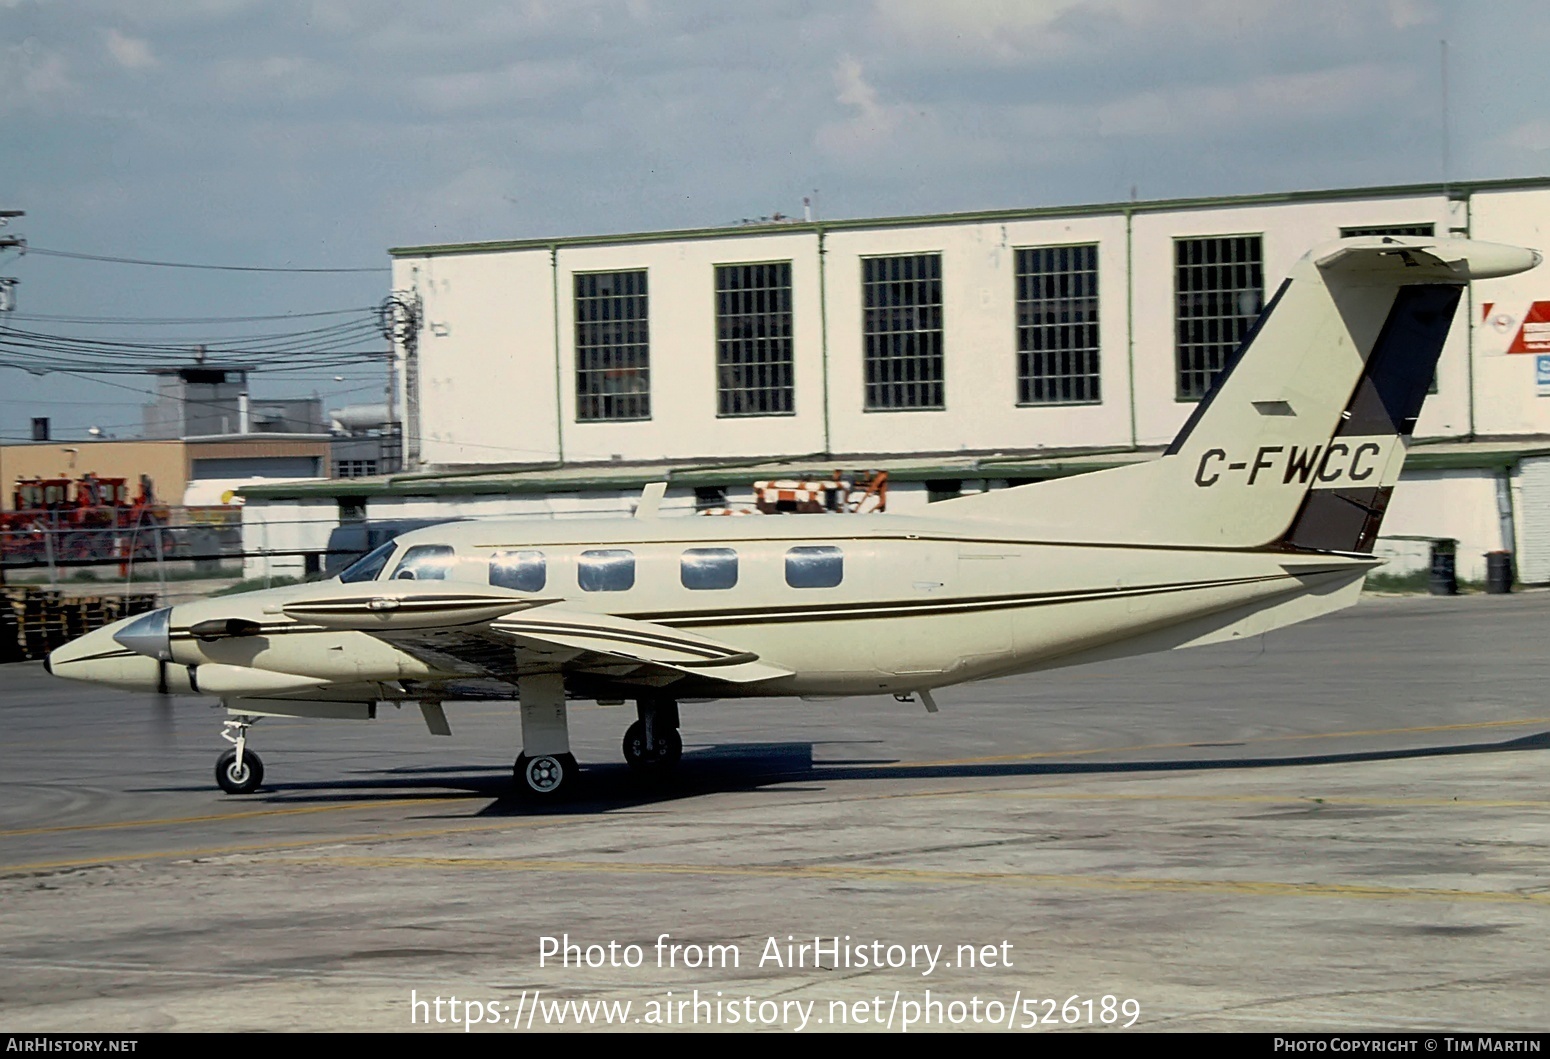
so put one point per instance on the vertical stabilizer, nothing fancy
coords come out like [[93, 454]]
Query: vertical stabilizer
[[1302, 438]]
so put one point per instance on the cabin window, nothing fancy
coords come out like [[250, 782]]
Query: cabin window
[[524, 571], [368, 566], [606, 570], [814, 567], [425, 562], [707, 568]]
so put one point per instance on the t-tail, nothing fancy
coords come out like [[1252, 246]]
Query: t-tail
[[1299, 443]]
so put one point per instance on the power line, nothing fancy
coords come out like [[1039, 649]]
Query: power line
[[184, 264], [178, 321]]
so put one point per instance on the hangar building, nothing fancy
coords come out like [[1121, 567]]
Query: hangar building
[[958, 352]]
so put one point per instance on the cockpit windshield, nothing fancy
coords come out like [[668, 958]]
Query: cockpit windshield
[[368, 566]]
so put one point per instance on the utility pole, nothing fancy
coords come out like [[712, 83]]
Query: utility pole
[[10, 242], [7, 305], [399, 320]]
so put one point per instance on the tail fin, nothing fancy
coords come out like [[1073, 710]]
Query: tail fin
[[1301, 440]]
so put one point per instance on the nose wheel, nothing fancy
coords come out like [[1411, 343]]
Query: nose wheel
[[239, 770]]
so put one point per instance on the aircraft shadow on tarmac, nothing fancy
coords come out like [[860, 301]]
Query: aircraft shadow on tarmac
[[786, 767]]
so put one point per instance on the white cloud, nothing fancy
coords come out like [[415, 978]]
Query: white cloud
[[286, 77], [1002, 29], [466, 201], [1407, 13], [516, 83], [31, 75], [132, 53], [871, 123], [1530, 136], [1261, 101]]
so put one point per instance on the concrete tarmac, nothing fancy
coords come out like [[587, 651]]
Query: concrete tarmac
[[1340, 826]]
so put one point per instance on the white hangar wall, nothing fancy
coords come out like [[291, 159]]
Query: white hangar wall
[[486, 365], [497, 361]]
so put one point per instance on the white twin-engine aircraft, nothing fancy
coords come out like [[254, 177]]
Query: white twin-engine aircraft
[[1263, 512]]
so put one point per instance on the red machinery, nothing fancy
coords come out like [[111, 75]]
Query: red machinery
[[83, 518]]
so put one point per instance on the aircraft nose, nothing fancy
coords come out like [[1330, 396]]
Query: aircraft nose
[[99, 658]]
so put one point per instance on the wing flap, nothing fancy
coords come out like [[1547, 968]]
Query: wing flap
[[625, 640], [554, 638]]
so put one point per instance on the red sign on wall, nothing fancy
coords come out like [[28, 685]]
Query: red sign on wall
[[1532, 327]]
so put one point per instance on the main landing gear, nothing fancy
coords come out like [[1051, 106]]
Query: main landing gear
[[547, 771], [239, 770], [652, 745]]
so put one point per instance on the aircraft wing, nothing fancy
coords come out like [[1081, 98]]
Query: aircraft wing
[[484, 632], [555, 637]]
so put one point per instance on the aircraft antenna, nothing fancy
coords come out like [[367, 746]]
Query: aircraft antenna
[[1443, 60]]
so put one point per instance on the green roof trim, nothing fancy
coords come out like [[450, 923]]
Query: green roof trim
[[1454, 188], [1451, 454]]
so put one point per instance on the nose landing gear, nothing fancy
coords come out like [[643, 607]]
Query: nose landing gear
[[239, 770]]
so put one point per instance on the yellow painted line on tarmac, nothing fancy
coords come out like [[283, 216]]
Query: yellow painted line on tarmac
[[1248, 799], [170, 821], [274, 847], [1203, 745], [1250, 887]]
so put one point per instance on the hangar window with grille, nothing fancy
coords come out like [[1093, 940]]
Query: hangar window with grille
[[902, 332], [1219, 289], [754, 370], [1422, 231], [613, 346], [354, 468], [1057, 325]]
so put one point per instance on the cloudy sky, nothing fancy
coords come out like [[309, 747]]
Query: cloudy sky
[[283, 133]]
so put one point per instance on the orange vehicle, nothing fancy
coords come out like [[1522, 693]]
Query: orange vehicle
[[81, 519]]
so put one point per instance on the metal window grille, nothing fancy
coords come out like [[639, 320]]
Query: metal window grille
[[1219, 289], [1057, 325], [354, 468], [613, 349], [902, 331], [1423, 231], [754, 370]]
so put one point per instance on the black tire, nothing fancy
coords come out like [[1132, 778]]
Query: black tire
[[243, 781], [664, 756], [545, 777]]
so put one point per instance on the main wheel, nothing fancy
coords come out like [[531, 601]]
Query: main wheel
[[239, 779], [546, 776], [661, 758]]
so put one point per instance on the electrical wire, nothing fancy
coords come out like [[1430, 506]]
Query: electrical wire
[[179, 321], [334, 345], [184, 264]]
